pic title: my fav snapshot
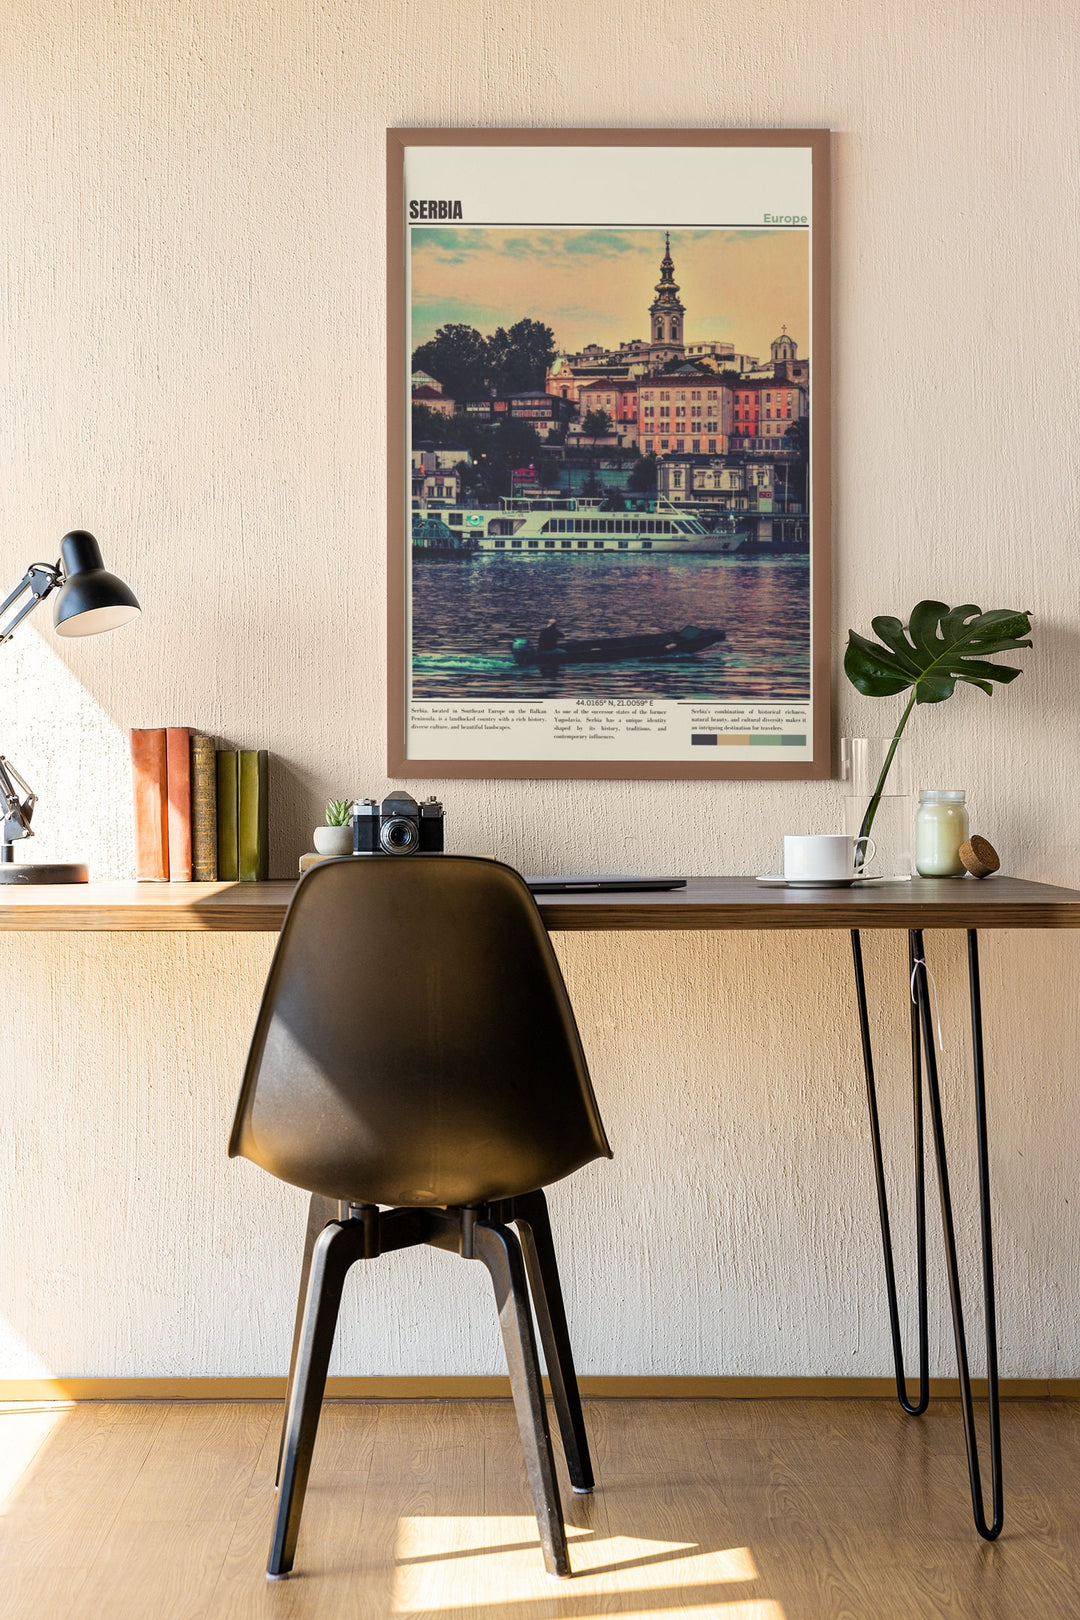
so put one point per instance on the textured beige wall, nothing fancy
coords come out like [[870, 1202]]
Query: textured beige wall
[[193, 368]]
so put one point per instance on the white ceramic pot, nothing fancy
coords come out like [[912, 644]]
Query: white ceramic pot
[[333, 840]]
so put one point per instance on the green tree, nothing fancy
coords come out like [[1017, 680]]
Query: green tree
[[512, 444], [432, 427], [642, 478], [596, 425], [797, 436], [518, 359], [457, 356], [793, 461]]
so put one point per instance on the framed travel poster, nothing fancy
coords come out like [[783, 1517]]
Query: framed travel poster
[[609, 453]]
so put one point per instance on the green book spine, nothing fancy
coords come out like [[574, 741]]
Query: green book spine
[[228, 865], [252, 816]]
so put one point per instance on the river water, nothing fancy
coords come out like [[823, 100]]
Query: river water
[[466, 614]]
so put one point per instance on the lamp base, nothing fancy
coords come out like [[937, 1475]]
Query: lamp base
[[44, 872]]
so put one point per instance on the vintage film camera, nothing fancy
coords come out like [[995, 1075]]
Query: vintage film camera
[[397, 826]]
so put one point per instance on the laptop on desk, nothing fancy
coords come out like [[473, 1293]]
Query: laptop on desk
[[602, 885]]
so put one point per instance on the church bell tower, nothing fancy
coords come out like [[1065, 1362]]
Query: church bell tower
[[666, 313]]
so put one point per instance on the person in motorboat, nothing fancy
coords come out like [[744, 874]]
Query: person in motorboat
[[549, 637], [553, 650]]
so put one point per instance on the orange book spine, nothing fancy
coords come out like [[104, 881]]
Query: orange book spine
[[178, 759], [149, 774]]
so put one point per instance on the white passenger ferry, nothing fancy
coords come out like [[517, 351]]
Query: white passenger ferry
[[576, 526]]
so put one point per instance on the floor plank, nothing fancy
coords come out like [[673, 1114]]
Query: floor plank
[[161, 1567], [737, 1510], [201, 1463]]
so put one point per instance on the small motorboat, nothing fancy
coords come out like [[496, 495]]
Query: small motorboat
[[435, 542], [610, 649]]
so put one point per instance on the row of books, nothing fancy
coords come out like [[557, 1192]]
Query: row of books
[[201, 812]]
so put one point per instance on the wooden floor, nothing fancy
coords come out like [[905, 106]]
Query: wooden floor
[[738, 1510]]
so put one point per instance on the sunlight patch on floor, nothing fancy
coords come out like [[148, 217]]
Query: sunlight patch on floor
[[445, 1564], [22, 1434]]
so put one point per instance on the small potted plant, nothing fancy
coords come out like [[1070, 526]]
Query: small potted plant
[[335, 838]]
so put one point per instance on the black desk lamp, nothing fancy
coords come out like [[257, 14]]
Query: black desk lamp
[[88, 600]]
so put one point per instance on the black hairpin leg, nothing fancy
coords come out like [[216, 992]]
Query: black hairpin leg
[[922, 1024], [917, 1408], [992, 1529]]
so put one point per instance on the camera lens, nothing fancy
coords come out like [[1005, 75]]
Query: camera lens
[[398, 836]]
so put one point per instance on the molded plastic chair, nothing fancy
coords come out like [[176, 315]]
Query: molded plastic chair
[[416, 1048]]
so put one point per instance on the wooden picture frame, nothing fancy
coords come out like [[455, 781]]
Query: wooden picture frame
[[487, 229]]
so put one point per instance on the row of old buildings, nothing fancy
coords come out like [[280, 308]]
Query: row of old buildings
[[673, 413], [664, 415], [657, 395]]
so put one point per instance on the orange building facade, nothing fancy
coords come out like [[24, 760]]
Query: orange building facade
[[763, 410], [687, 414]]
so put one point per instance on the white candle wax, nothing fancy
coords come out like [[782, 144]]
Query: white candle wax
[[941, 826]]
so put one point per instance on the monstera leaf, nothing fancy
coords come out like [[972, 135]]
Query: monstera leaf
[[941, 646]]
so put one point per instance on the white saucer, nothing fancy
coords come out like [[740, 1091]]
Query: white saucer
[[780, 882]]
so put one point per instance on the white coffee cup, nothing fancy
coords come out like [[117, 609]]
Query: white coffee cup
[[825, 857]]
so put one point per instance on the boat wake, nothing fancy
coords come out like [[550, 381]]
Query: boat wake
[[436, 663]]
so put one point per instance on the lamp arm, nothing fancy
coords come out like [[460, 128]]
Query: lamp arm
[[15, 812], [39, 580], [15, 822]]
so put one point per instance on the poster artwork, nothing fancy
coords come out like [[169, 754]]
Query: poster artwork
[[610, 398]]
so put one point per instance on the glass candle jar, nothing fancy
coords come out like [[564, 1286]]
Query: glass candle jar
[[941, 826]]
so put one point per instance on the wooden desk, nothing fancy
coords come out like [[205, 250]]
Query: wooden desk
[[706, 903], [716, 904]]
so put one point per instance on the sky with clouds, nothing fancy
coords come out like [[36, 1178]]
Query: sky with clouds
[[596, 285]]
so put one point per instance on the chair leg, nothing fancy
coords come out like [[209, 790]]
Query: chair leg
[[531, 1215], [321, 1211], [500, 1252], [337, 1246]]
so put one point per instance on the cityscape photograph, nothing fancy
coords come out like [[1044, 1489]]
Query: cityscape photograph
[[597, 514]]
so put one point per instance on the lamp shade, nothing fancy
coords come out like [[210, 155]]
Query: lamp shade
[[90, 599]]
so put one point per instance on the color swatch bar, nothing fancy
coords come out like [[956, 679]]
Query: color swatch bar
[[737, 739]]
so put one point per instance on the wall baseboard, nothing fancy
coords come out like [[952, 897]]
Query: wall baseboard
[[630, 1387]]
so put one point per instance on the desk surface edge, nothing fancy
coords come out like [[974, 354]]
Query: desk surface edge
[[707, 904]]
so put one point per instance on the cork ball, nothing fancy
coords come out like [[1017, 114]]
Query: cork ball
[[979, 856]]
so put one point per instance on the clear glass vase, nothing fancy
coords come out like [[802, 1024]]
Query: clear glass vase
[[861, 759]]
